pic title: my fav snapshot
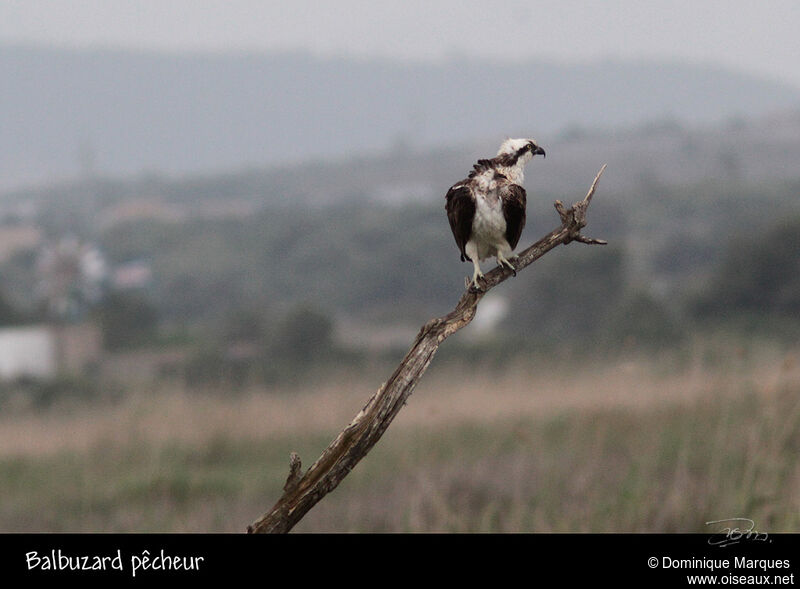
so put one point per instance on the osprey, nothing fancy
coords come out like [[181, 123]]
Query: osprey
[[487, 210]]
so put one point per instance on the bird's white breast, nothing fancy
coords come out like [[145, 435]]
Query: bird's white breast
[[488, 225]]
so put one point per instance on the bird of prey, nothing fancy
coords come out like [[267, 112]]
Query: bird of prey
[[487, 210]]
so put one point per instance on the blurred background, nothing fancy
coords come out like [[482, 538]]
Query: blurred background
[[222, 224]]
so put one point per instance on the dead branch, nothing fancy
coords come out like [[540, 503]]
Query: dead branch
[[303, 491]]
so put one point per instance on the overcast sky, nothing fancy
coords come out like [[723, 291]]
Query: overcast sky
[[757, 37]]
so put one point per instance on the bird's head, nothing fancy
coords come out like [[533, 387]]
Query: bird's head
[[523, 149]]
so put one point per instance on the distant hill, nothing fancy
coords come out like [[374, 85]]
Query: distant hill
[[641, 159], [63, 111]]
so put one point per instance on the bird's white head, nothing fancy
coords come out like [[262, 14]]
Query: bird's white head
[[515, 153], [526, 148]]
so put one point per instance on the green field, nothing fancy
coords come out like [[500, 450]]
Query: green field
[[621, 445]]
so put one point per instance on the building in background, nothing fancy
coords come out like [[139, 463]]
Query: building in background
[[71, 277], [47, 351]]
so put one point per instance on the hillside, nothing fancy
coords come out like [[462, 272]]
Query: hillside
[[65, 111]]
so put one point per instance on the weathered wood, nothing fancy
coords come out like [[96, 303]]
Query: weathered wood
[[303, 491]]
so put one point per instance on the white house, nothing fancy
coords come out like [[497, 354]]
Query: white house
[[43, 351], [27, 351]]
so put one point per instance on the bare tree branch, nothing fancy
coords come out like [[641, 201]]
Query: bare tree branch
[[303, 491]]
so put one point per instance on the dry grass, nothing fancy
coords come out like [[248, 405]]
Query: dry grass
[[632, 445]]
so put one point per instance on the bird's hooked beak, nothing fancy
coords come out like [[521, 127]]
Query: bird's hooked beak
[[539, 151]]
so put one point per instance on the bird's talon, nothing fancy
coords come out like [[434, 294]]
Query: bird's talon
[[506, 264], [472, 285]]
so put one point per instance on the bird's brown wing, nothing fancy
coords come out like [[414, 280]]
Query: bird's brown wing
[[460, 207], [514, 201]]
